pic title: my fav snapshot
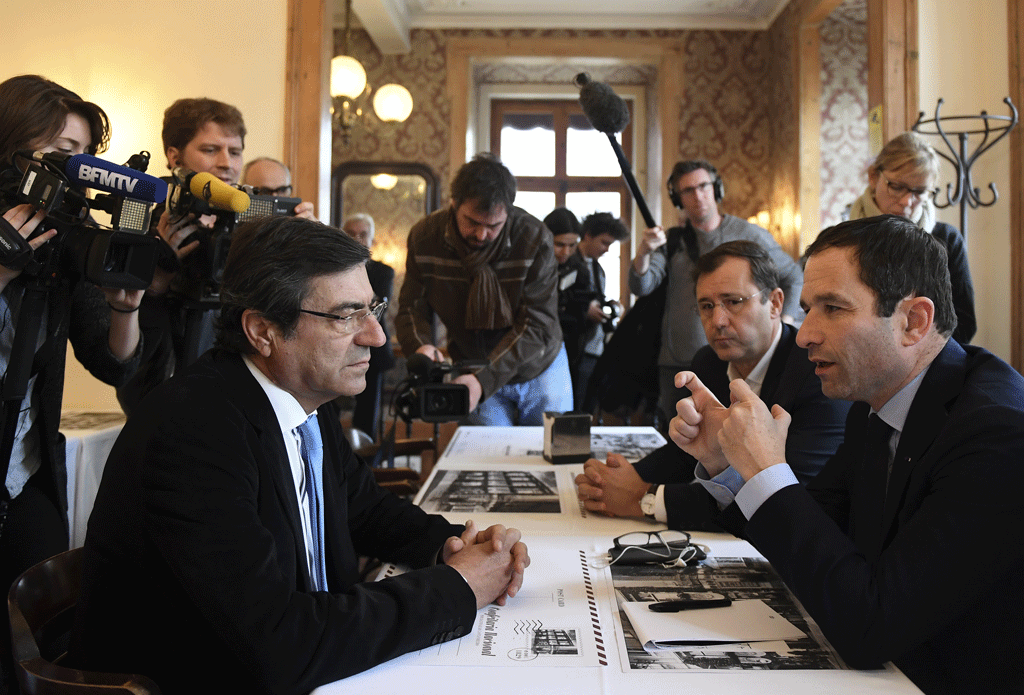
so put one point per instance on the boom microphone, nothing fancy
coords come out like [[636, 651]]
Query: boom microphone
[[209, 188], [605, 109], [87, 171], [608, 113]]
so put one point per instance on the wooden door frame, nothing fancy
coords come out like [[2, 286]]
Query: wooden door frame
[[308, 136], [892, 84], [1015, 18]]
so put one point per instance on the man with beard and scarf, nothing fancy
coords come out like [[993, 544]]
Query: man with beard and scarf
[[486, 269]]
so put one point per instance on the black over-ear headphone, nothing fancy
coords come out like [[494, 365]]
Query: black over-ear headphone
[[683, 168]]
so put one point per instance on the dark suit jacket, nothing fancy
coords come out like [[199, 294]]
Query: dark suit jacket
[[195, 570], [573, 302], [382, 280], [943, 598], [814, 434]]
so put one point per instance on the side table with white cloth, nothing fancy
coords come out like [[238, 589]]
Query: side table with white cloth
[[89, 438]]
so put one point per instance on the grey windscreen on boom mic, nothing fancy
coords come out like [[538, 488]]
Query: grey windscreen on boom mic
[[604, 108]]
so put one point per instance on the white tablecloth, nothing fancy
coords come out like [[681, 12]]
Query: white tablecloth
[[89, 439], [515, 449]]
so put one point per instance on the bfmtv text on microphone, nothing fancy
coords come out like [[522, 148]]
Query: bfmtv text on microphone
[[119, 255]]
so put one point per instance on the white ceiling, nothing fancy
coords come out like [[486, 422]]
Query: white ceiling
[[389, 21]]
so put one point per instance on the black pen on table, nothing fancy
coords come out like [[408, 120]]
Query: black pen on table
[[688, 605]]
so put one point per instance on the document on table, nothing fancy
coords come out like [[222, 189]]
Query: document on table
[[743, 622], [736, 578], [555, 620], [493, 490], [526, 444]]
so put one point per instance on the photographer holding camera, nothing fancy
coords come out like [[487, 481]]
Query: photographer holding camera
[[202, 136], [600, 231], [102, 324]]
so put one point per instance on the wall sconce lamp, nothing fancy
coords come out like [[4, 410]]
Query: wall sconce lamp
[[349, 90]]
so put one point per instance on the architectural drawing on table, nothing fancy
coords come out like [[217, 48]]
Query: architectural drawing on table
[[555, 642], [493, 491]]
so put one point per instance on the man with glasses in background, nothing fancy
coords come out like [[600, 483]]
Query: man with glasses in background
[[268, 176], [204, 136], [366, 413], [739, 304], [223, 549], [665, 261]]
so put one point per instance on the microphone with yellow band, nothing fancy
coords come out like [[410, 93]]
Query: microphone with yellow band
[[216, 193]]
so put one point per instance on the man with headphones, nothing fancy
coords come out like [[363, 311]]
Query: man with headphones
[[665, 262]]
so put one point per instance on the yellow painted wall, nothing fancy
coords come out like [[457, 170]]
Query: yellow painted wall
[[134, 59], [963, 59]]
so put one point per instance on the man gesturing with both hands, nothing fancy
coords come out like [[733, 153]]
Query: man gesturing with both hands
[[907, 547]]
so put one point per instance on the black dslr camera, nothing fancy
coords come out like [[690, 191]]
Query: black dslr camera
[[425, 396]]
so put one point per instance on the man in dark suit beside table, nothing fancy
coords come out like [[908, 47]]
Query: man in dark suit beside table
[[222, 552], [740, 305], [908, 546]]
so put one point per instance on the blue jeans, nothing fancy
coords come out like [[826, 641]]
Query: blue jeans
[[549, 390]]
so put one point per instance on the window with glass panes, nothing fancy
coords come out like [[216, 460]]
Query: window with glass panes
[[559, 160]]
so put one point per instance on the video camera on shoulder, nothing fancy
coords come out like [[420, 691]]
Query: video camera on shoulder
[[202, 193], [426, 396], [120, 257]]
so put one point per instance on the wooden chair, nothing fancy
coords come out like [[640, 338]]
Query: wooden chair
[[41, 604], [400, 480]]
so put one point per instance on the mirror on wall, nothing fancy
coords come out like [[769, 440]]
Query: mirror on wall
[[396, 195]]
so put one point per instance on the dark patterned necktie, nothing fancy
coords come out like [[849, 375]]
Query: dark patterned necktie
[[875, 469]]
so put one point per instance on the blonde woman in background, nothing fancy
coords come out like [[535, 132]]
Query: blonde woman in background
[[901, 181]]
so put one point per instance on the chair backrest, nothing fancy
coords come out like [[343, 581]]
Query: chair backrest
[[41, 604]]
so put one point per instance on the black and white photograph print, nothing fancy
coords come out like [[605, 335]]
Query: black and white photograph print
[[554, 642], [633, 446], [737, 578], [482, 491]]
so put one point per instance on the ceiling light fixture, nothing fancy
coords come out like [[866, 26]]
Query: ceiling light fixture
[[349, 90]]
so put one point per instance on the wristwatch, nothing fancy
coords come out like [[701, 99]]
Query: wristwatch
[[648, 501]]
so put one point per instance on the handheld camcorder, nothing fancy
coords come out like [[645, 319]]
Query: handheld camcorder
[[204, 194], [122, 257], [425, 395]]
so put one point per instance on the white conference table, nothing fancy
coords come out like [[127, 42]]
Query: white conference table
[[573, 532]]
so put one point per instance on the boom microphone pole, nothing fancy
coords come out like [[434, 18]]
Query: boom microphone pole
[[608, 113]]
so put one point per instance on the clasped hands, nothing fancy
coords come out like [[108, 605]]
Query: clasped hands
[[746, 435], [492, 561]]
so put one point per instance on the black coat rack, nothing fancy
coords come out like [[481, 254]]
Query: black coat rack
[[965, 192]]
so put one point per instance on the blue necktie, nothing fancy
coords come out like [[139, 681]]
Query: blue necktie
[[313, 456]]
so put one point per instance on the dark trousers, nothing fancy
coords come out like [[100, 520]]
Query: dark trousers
[[584, 398]]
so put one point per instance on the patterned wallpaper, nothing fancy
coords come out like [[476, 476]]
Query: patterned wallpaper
[[845, 153], [737, 106], [726, 113]]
